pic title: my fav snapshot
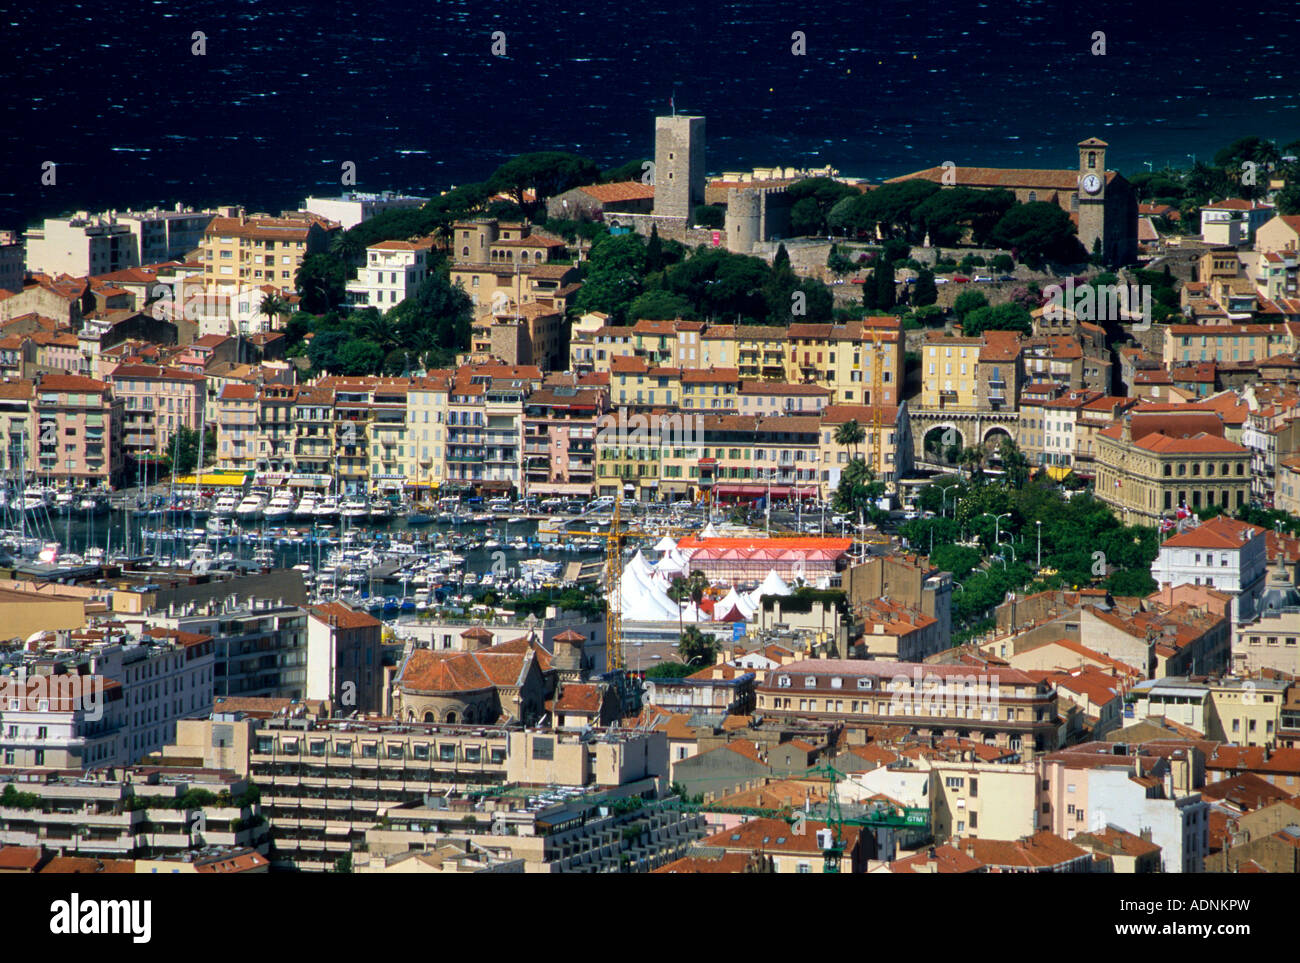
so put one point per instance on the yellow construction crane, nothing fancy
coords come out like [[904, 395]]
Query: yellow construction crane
[[877, 389], [614, 538]]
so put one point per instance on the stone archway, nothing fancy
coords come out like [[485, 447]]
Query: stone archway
[[940, 439], [451, 716], [993, 439]]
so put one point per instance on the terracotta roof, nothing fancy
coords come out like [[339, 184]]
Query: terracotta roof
[[20, 858], [336, 613], [580, 698], [1219, 532], [776, 836]]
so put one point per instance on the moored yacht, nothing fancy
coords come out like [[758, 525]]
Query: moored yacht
[[280, 507], [251, 507], [224, 505]]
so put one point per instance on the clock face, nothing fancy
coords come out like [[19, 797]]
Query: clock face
[[1092, 183]]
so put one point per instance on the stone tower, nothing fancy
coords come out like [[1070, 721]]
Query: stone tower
[[679, 166], [1092, 195]]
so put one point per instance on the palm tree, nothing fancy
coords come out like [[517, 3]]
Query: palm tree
[[972, 458], [850, 434], [697, 583], [678, 592], [271, 305], [346, 247]]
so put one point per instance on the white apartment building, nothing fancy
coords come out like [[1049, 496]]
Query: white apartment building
[[81, 245], [110, 241], [392, 273], [62, 721], [1224, 554], [164, 679], [1233, 221], [352, 208]]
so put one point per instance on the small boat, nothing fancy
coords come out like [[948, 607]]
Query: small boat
[[224, 506], [418, 518]]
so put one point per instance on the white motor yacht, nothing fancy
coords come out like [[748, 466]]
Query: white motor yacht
[[223, 506], [280, 507], [354, 508], [250, 508]]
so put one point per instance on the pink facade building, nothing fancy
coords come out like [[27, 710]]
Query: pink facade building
[[158, 401], [78, 431]]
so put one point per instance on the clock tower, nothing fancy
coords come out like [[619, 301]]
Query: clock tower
[[1092, 197]]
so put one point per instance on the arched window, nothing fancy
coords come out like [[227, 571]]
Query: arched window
[[464, 252], [430, 717], [1092, 158], [451, 716]]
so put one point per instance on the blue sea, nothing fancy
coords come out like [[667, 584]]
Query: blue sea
[[413, 95]]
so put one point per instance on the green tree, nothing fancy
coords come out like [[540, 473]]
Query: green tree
[[321, 281], [1014, 463], [545, 174], [1039, 231], [812, 200], [696, 648], [654, 252], [837, 263], [710, 215], [968, 301], [883, 279], [357, 358], [858, 491], [614, 275], [850, 435], [271, 305], [1287, 200], [924, 291], [1004, 317], [436, 319], [894, 206], [660, 305]]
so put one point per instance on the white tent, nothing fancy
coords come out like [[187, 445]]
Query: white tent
[[734, 600], [709, 531], [690, 614], [642, 564], [772, 585], [643, 598], [673, 563], [665, 544]]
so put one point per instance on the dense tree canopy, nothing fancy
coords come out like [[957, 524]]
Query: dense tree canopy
[[545, 174]]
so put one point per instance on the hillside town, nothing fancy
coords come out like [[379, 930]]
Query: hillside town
[[660, 520]]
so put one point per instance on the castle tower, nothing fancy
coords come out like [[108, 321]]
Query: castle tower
[[1092, 195], [679, 166]]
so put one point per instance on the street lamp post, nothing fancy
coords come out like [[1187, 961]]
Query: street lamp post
[[943, 502], [1038, 524], [997, 524]]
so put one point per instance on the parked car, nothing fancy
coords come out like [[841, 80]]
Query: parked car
[[940, 280], [960, 279], [1005, 277], [981, 278]]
